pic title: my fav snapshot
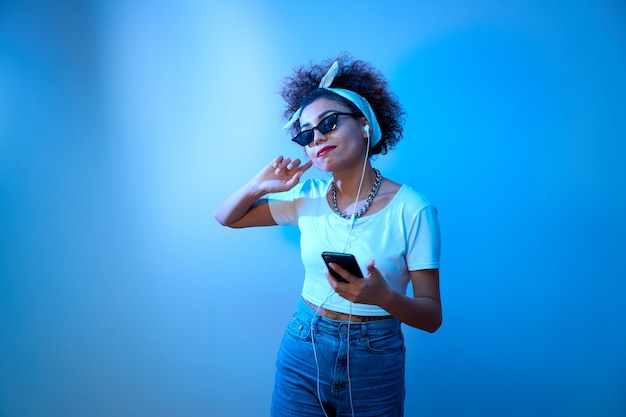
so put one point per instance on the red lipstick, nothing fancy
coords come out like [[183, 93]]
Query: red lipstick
[[325, 150]]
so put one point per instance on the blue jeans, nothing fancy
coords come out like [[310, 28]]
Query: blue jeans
[[360, 370]]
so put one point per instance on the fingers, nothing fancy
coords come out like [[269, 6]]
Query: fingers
[[277, 161], [307, 165], [331, 280], [345, 274], [281, 164], [294, 179], [372, 271]]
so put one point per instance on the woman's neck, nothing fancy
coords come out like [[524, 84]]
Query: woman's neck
[[347, 182]]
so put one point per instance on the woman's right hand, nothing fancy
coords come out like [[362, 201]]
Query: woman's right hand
[[282, 174], [242, 208]]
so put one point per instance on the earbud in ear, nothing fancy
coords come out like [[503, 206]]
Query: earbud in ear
[[366, 128]]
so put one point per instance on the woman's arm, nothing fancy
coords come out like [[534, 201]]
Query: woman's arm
[[245, 207], [422, 311]]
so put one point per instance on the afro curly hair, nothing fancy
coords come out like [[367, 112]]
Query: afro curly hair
[[302, 88]]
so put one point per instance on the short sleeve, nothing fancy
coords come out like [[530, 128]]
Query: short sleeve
[[283, 207], [424, 240]]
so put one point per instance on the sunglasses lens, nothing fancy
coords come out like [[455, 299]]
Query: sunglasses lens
[[304, 138], [328, 124]]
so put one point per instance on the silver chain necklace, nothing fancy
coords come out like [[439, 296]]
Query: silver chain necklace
[[368, 202]]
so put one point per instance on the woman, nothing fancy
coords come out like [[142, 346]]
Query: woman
[[343, 350]]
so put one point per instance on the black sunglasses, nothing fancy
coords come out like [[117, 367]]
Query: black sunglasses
[[326, 125]]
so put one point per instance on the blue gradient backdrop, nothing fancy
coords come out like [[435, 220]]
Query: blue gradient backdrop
[[124, 124]]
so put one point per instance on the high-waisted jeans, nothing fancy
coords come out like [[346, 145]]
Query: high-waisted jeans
[[335, 368]]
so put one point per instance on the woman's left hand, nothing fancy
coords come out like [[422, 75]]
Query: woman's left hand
[[370, 290]]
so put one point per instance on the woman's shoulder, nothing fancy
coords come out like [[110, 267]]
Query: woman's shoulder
[[314, 186], [310, 187], [397, 198], [407, 196]]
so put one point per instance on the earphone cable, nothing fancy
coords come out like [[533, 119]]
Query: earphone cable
[[312, 329]]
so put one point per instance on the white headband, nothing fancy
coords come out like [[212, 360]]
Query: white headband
[[351, 96]]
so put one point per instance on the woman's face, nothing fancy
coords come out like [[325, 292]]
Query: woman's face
[[340, 148]]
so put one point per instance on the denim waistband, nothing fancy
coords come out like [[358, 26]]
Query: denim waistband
[[309, 315]]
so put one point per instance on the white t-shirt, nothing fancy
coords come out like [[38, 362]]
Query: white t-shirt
[[404, 236]]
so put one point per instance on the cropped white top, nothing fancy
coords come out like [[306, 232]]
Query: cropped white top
[[402, 237]]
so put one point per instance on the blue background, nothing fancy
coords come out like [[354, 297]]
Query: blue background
[[123, 124]]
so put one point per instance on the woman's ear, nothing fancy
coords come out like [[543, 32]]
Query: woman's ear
[[366, 128], [366, 131]]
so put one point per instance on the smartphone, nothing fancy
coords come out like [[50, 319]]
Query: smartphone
[[346, 260]]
